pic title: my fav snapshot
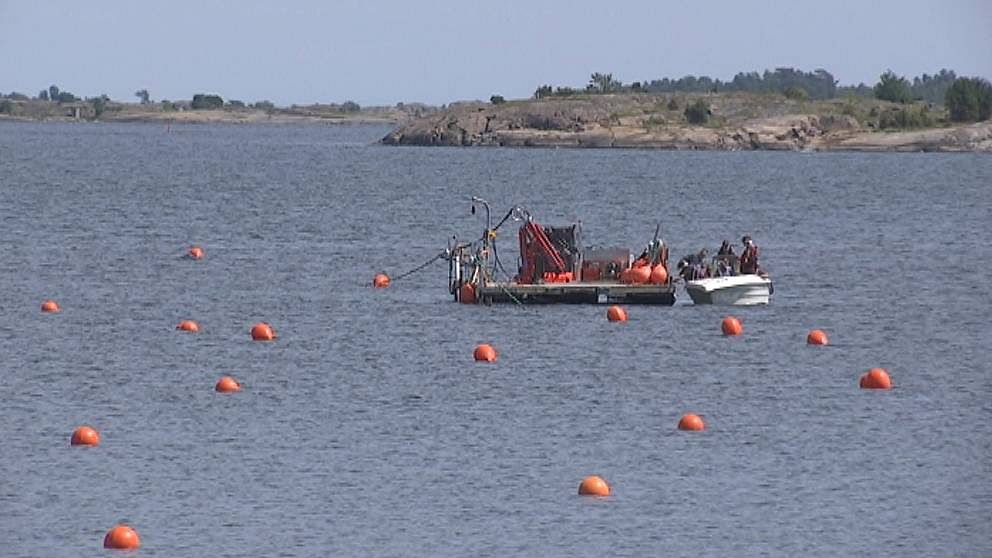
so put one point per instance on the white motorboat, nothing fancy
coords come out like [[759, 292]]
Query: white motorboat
[[737, 290]]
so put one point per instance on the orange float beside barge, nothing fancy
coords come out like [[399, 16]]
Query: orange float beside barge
[[555, 268]]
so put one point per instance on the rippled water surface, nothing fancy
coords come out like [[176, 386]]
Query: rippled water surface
[[366, 430]]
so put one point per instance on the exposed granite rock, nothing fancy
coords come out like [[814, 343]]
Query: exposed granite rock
[[643, 121]]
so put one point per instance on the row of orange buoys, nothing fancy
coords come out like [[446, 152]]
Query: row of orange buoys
[[124, 537]]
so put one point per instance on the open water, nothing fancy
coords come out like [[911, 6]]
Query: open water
[[367, 430]]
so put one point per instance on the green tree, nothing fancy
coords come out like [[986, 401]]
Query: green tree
[[543, 91], [350, 106], [604, 83], [234, 103], [205, 101], [99, 104], [66, 97], [698, 112], [6, 107], [267, 106], [891, 87], [969, 100], [143, 96], [43, 95], [53, 92], [933, 88], [497, 100]]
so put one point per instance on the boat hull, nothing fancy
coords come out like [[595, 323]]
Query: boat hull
[[576, 293], [738, 290]]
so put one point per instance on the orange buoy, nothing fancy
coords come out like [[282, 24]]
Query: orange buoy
[[188, 325], [876, 378], [262, 332], [691, 421], [227, 384], [659, 275], [85, 436], [380, 281], [122, 537], [817, 337], [616, 314], [731, 326], [484, 353], [594, 485], [625, 277], [196, 253], [640, 275], [50, 306], [466, 294]]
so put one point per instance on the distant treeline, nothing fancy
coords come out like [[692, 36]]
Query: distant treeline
[[54, 100], [200, 101], [818, 84]]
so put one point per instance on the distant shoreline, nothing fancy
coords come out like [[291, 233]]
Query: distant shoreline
[[207, 120], [733, 122], [34, 110]]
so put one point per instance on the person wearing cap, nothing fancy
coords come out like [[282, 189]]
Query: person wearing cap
[[749, 257]]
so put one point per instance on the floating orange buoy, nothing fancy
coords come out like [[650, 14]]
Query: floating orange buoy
[[50, 306], [690, 421], [85, 436], [731, 326], [188, 325], [196, 253], [484, 353], [122, 537], [466, 294], [876, 378], [616, 314], [659, 275], [380, 281], [262, 332], [227, 384], [817, 337], [594, 486]]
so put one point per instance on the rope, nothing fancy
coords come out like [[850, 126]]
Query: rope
[[509, 294], [418, 268]]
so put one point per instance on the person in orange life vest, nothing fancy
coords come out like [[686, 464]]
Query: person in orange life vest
[[749, 257]]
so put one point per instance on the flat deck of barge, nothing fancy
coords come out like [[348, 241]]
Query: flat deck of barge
[[576, 293]]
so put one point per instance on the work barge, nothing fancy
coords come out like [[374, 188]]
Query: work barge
[[555, 268]]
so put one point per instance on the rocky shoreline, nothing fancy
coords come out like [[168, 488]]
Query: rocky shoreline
[[740, 122]]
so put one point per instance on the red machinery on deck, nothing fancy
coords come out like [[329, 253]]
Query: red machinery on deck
[[540, 259]]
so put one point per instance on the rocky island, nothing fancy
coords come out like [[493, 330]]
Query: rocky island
[[733, 121]]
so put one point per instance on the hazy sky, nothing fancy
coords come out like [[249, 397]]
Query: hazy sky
[[381, 52]]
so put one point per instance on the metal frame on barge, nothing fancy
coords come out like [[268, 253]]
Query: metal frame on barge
[[555, 268]]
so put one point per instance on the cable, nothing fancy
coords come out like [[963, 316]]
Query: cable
[[418, 268]]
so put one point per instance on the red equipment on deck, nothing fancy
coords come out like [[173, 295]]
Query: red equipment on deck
[[539, 259]]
